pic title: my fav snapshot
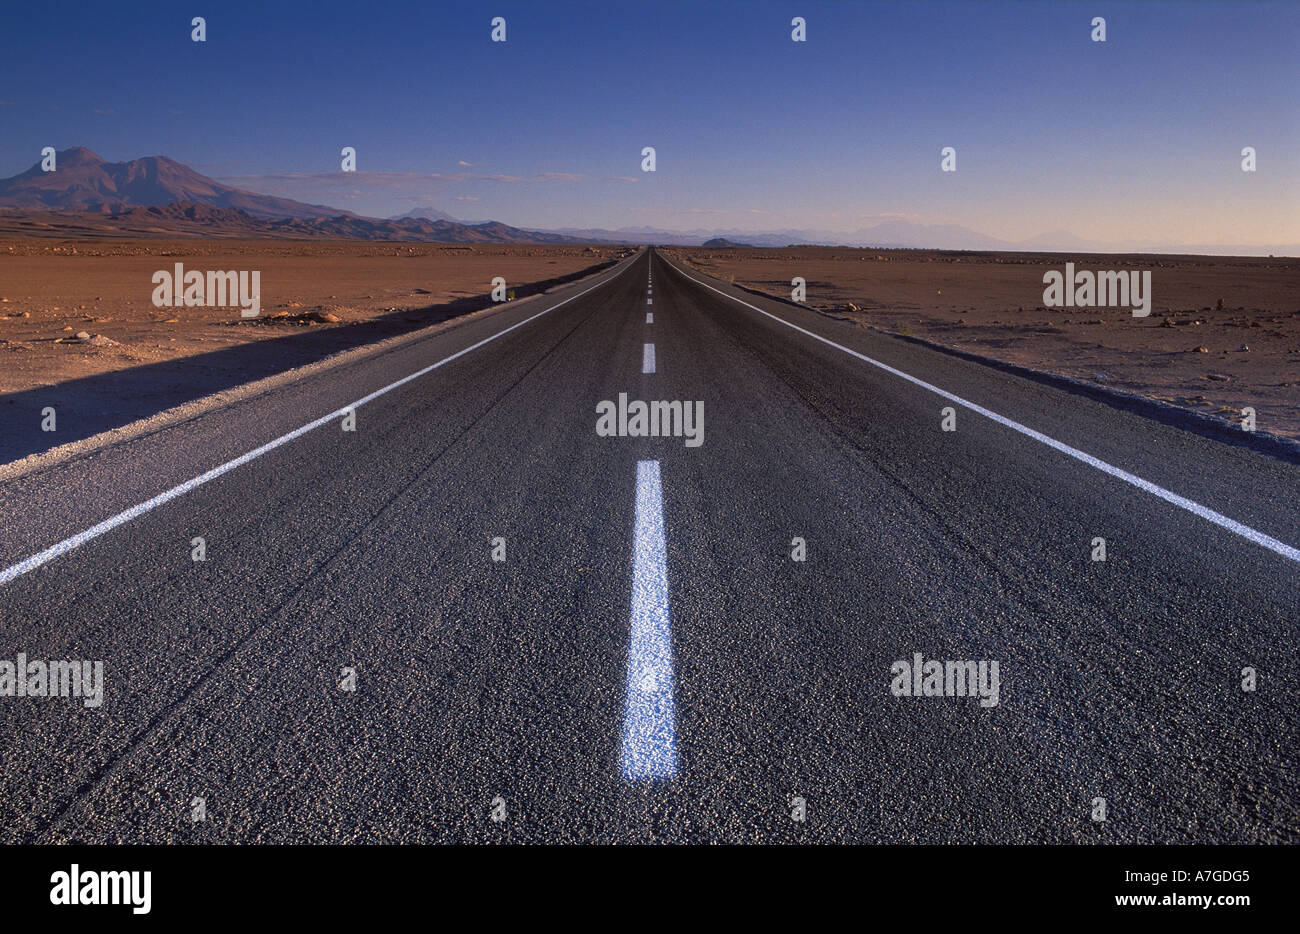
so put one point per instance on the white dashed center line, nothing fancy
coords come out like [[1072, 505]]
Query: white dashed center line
[[649, 722]]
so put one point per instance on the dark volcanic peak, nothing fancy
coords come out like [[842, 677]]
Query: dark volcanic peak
[[77, 155], [82, 181]]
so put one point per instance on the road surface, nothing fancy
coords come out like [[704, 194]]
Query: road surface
[[649, 662]]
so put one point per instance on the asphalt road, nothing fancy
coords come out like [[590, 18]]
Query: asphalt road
[[649, 663]]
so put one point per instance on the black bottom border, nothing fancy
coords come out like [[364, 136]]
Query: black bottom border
[[942, 883]]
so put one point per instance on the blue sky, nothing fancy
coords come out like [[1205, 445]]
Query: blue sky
[[1135, 138]]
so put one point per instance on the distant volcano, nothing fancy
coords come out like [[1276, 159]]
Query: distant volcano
[[428, 214], [85, 182]]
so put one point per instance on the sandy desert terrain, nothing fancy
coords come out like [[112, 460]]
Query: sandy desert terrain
[[53, 290], [1223, 332]]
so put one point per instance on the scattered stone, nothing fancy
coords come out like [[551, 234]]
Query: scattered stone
[[1219, 377], [1168, 323], [851, 307], [1244, 348], [1201, 350], [99, 340], [83, 335]]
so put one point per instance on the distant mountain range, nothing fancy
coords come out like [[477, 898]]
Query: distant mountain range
[[894, 233], [186, 219], [85, 182], [903, 234], [157, 195]]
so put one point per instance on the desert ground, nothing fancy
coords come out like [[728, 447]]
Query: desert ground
[[1223, 332], [53, 290]]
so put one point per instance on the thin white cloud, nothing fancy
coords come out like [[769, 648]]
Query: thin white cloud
[[889, 216], [391, 179]]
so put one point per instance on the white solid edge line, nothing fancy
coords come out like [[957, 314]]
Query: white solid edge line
[[648, 359], [649, 317], [1182, 502], [75, 541], [649, 748]]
